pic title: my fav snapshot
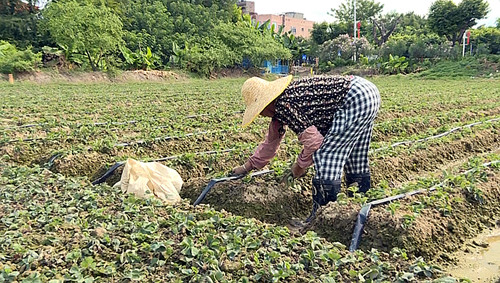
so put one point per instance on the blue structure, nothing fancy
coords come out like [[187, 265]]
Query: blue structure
[[276, 69], [246, 63]]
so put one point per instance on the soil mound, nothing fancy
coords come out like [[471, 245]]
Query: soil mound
[[264, 199], [86, 77]]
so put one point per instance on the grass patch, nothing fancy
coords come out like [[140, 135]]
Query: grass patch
[[468, 67]]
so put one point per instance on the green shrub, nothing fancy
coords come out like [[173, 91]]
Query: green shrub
[[229, 45], [16, 61], [395, 65], [417, 47], [395, 47], [342, 45], [487, 40]]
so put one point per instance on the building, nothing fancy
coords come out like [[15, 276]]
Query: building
[[247, 7], [292, 21], [298, 26]]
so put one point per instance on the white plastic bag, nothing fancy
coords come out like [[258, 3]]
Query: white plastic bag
[[144, 179]]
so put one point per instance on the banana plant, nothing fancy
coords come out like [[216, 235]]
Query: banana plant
[[148, 59], [179, 55], [140, 60]]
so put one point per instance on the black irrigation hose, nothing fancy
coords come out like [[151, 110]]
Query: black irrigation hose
[[360, 225], [365, 210], [51, 160], [108, 173], [115, 166], [212, 183]]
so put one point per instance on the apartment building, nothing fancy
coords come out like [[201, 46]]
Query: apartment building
[[247, 7], [292, 21]]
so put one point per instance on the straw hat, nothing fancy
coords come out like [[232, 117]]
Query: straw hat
[[258, 93]]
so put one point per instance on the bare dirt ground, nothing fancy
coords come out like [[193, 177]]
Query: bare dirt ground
[[480, 260], [95, 77]]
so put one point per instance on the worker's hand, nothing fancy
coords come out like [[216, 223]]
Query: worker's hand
[[297, 171], [242, 170]]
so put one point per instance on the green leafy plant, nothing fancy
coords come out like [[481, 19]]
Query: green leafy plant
[[93, 31], [140, 60], [393, 206], [395, 65], [16, 61]]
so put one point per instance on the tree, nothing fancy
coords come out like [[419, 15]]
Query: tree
[[320, 32], [384, 27], [498, 23], [13, 60], [19, 22], [342, 48], [160, 24], [228, 45], [451, 20], [488, 37], [366, 10], [327, 31], [411, 24], [91, 30]]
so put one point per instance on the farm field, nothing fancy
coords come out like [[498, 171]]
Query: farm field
[[57, 138]]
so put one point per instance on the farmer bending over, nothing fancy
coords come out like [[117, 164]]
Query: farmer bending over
[[333, 118]]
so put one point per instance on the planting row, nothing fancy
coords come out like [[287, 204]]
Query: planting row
[[37, 151], [386, 159], [432, 224], [65, 229], [129, 131], [91, 103]]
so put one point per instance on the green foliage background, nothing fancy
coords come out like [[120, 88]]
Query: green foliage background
[[94, 31], [12, 60], [202, 36]]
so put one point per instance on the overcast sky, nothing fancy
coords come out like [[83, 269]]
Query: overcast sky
[[316, 10]]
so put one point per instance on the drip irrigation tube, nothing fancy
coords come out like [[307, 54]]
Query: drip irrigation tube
[[139, 142], [76, 125], [433, 137], [115, 166], [166, 138], [111, 123], [212, 183], [295, 140], [365, 210], [26, 126]]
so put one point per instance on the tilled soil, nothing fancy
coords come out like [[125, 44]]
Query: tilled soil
[[263, 198], [403, 167], [407, 165], [31, 153]]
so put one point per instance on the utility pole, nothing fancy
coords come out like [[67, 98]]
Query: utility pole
[[466, 35], [463, 44], [354, 31]]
